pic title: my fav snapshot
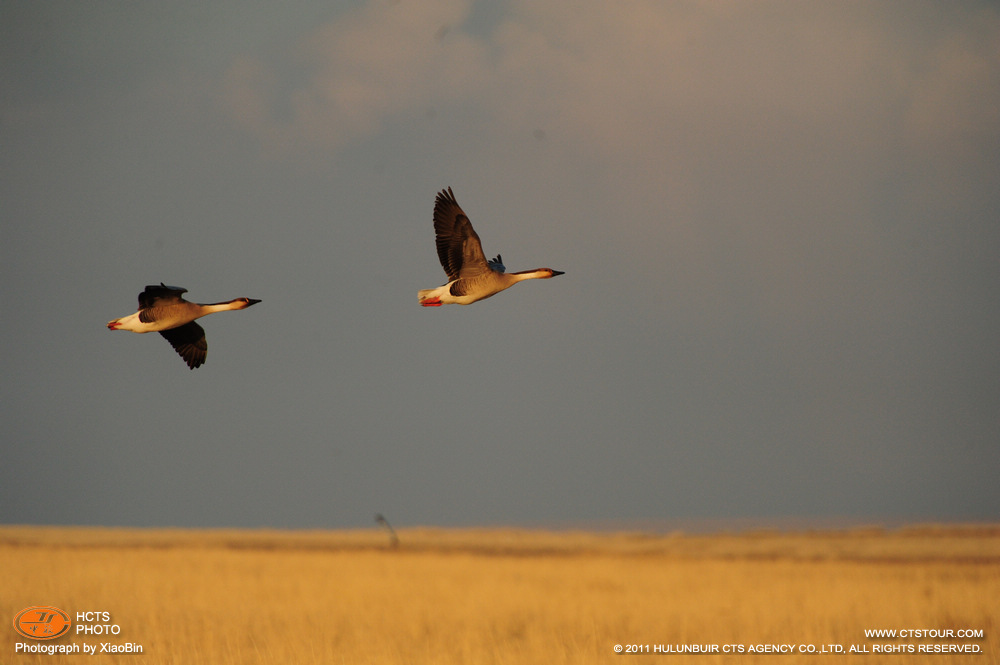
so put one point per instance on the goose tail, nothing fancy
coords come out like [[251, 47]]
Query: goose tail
[[430, 297]]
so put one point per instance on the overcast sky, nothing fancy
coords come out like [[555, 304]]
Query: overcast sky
[[779, 223]]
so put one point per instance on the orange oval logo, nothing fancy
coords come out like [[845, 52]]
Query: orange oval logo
[[42, 623]]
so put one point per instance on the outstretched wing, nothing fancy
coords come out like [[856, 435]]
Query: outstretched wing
[[189, 341], [458, 246], [156, 296], [161, 291]]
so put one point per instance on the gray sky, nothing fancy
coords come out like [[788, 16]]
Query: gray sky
[[779, 223]]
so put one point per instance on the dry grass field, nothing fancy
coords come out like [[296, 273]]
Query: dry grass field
[[505, 596]]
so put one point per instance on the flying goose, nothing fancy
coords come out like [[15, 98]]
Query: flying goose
[[470, 276], [162, 309]]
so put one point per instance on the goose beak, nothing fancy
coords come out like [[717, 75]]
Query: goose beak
[[557, 272], [251, 301]]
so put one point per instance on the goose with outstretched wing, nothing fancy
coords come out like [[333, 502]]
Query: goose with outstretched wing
[[471, 277], [163, 310]]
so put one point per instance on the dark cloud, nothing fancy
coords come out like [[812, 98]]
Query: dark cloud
[[777, 222]]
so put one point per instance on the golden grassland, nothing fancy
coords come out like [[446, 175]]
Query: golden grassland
[[503, 596]]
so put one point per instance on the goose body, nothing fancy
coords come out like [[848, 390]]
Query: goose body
[[471, 276], [163, 310]]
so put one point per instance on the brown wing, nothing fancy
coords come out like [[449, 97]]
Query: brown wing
[[154, 297], [189, 341], [458, 246]]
